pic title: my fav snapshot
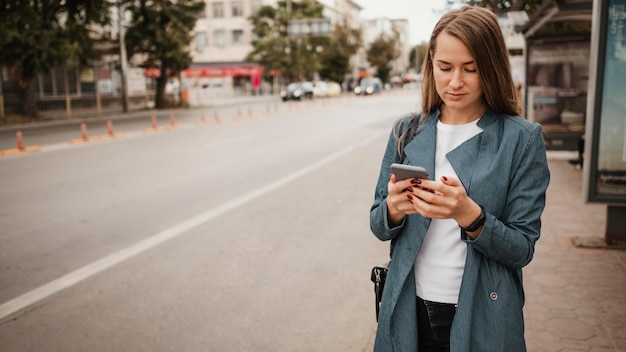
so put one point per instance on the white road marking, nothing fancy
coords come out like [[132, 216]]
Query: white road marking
[[19, 303]]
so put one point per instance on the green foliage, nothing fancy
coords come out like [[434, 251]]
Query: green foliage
[[37, 36], [381, 53], [160, 31], [40, 35], [530, 6], [345, 42], [270, 27], [417, 56], [501, 6], [296, 58]]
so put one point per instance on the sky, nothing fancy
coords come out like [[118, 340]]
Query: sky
[[422, 15]]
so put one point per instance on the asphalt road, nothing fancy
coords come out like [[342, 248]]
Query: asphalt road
[[251, 234]]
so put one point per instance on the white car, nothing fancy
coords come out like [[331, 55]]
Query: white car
[[320, 89], [298, 91], [334, 89]]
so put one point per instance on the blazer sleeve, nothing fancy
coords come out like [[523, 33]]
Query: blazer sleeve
[[379, 223], [511, 239]]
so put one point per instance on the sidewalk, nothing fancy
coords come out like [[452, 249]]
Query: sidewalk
[[575, 297], [115, 115]]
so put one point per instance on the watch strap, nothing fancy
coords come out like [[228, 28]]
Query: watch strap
[[480, 221]]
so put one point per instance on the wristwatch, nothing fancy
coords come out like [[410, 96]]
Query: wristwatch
[[480, 221]]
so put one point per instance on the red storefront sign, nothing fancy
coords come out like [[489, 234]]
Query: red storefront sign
[[212, 71], [222, 71], [152, 72]]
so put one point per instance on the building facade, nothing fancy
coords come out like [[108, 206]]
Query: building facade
[[223, 37]]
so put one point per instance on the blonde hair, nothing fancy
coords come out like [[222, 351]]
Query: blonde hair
[[479, 30]]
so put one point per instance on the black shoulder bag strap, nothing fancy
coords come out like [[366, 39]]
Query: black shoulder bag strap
[[379, 272]]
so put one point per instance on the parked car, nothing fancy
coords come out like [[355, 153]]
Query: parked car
[[320, 89], [368, 86], [334, 89], [297, 91]]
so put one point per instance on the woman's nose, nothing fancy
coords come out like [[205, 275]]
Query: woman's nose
[[457, 79]]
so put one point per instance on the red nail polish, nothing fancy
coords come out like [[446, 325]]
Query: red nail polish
[[445, 178], [410, 196]]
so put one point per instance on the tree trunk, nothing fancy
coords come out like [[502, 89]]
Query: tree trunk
[[28, 97], [161, 82]]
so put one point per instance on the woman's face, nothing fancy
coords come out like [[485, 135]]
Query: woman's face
[[456, 76]]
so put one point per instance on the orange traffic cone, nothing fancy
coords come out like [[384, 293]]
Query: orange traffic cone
[[83, 131], [110, 128], [20, 144]]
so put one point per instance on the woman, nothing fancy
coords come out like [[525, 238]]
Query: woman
[[461, 238]]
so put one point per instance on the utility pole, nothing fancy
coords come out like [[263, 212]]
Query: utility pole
[[292, 63], [123, 59]]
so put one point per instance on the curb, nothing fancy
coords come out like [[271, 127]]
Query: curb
[[96, 138], [15, 151]]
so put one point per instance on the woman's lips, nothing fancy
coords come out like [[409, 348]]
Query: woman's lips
[[456, 96]]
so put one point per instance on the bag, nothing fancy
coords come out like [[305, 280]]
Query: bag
[[379, 276]]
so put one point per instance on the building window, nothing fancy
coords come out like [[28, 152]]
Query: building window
[[238, 37], [218, 9], [47, 86], [201, 41], [237, 8], [219, 38]]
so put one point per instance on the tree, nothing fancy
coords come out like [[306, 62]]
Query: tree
[[417, 56], [345, 42], [530, 7], [501, 6], [37, 36], [160, 31], [275, 50], [381, 53]]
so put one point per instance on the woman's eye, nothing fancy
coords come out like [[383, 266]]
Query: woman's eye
[[472, 70], [445, 69]]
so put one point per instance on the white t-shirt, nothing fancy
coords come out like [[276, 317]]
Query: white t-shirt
[[441, 260]]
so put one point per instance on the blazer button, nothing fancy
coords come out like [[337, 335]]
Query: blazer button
[[493, 296]]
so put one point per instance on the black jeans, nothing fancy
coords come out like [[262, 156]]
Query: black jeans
[[434, 321]]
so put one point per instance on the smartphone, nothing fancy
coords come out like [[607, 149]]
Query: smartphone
[[403, 172]]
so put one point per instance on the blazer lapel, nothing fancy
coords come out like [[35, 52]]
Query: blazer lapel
[[466, 158]]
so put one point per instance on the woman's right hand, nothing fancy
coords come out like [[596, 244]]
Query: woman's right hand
[[398, 203]]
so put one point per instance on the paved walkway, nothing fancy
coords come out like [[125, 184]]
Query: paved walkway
[[575, 297], [59, 118]]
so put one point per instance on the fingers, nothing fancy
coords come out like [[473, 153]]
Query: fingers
[[397, 199], [432, 199], [450, 181], [439, 200]]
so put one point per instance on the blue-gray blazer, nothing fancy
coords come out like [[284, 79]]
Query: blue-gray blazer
[[504, 169]]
